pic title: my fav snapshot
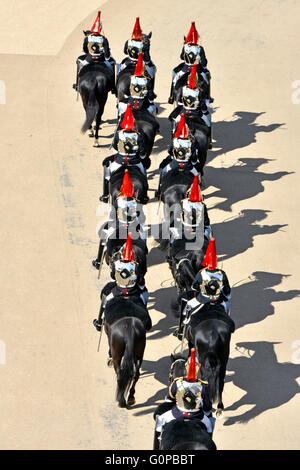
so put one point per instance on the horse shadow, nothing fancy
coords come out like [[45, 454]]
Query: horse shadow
[[236, 235], [239, 182], [160, 370], [258, 289], [237, 133], [268, 384], [163, 300]]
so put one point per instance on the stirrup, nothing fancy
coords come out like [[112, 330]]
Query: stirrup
[[177, 334], [75, 86], [171, 100], [104, 198], [97, 325], [96, 263]]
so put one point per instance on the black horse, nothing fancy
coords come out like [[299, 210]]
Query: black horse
[[95, 81], [209, 331], [125, 324], [185, 260], [182, 434]]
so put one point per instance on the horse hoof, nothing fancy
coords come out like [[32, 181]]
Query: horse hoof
[[91, 134], [218, 414], [122, 404], [131, 401], [110, 362], [96, 144]]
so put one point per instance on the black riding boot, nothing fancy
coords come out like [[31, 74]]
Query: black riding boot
[[156, 445], [179, 332], [171, 97], [96, 262], [210, 138], [75, 85], [105, 195]]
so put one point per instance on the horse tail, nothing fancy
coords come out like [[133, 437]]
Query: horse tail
[[212, 365], [91, 110], [127, 369]]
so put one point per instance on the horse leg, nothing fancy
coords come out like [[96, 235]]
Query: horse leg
[[91, 132], [101, 102], [131, 399], [220, 406], [97, 126]]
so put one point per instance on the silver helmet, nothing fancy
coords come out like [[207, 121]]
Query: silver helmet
[[128, 142], [125, 273], [190, 97], [95, 44], [191, 53], [135, 46], [182, 149], [127, 210], [138, 87], [188, 395]]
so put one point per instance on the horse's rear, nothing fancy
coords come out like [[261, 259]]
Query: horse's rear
[[94, 85], [211, 337], [127, 339], [181, 434]]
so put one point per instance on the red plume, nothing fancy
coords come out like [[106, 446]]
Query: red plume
[[128, 253], [181, 131], [210, 259], [192, 36], [127, 189], [192, 374], [139, 68], [96, 28], [195, 195], [128, 121], [137, 32], [193, 77]]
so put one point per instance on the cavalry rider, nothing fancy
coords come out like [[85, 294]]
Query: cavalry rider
[[210, 287], [192, 53], [129, 145], [141, 93], [183, 153], [194, 106], [190, 397], [138, 43], [126, 217], [96, 50], [124, 272], [194, 220]]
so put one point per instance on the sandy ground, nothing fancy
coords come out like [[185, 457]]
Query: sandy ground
[[56, 391]]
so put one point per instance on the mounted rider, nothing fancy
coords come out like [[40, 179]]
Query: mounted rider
[[183, 153], [192, 53], [194, 220], [124, 272], [126, 217], [190, 397], [96, 51], [210, 288], [141, 93], [129, 145], [194, 106], [138, 43]]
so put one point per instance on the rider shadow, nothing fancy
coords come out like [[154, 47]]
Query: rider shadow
[[160, 370], [239, 182], [236, 235], [237, 133], [163, 300], [268, 384], [258, 288]]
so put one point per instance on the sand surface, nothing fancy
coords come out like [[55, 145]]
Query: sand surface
[[56, 391]]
